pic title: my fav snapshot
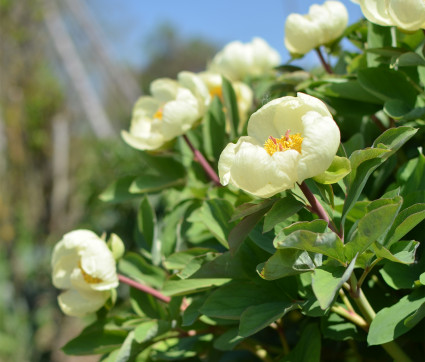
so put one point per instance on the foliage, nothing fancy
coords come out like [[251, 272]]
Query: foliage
[[273, 279]]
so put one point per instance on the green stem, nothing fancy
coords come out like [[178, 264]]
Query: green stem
[[346, 300], [392, 348], [367, 271], [351, 316]]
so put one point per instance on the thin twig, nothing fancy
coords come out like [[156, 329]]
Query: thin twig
[[323, 61], [144, 288], [203, 162]]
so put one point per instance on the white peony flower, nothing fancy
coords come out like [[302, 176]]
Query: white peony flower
[[83, 265], [244, 94], [171, 111], [322, 25], [408, 15], [238, 60], [289, 140]]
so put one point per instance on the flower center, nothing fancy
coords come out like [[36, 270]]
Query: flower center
[[158, 114], [88, 278], [284, 143], [216, 91]]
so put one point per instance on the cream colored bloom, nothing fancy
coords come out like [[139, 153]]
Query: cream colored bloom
[[83, 265], [405, 14], [238, 60], [244, 94], [322, 25], [171, 111], [289, 140]]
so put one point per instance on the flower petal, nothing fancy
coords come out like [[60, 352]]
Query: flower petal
[[80, 303]]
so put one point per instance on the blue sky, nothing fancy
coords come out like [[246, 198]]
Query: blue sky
[[127, 23]]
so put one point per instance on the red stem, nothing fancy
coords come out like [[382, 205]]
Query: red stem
[[323, 61], [316, 206], [204, 163], [144, 288]]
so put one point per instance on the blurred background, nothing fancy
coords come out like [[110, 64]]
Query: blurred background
[[70, 72]]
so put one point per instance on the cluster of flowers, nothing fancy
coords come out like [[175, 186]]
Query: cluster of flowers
[[289, 139]]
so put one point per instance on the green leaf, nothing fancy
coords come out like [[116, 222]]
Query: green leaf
[[389, 322], [339, 168], [145, 305], [214, 130], [180, 259], [228, 340], [119, 190], [363, 163], [161, 173], [403, 252], [348, 89], [394, 138], [327, 280], [416, 317], [280, 211], [387, 84], [230, 300], [151, 329], [134, 266], [215, 215], [377, 37], [251, 208], [192, 313], [258, 317], [189, 286], [240, 232], [231, 105], [95, 339], [327, 243], [405, 221], [409, 59], [127, 349], [146, 222], [371, 227], [337, 328], [286, 262], [308, 347], [396, 108]]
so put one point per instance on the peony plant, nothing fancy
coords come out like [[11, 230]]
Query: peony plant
[[297, 235]]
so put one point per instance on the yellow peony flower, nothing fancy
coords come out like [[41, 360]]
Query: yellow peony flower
[[408, 15], [83, 265], [172, 110], [289, 140], [238, 60], [322, 25]]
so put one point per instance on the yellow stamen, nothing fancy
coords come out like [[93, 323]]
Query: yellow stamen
[[216, 91], [88, 278], [284, 143], [158, 114]]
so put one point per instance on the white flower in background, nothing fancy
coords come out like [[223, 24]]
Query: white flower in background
[[244, 94], [83, 265], [322, 25], [405, 14], [238, 60], [289, 140], [171, 111]]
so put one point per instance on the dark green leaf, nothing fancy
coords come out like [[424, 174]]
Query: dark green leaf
[[161, 172], [372, 226], [151, 329], [228, 340], [286, 262], [280, 211], [389, 322], [327, 280], [258, 317], [189, 286], [146, 221], [214, 130], [134, 266], [95, 339], [416, 317], [308, 347], [119, 190], [387, 84], [231, 105]]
